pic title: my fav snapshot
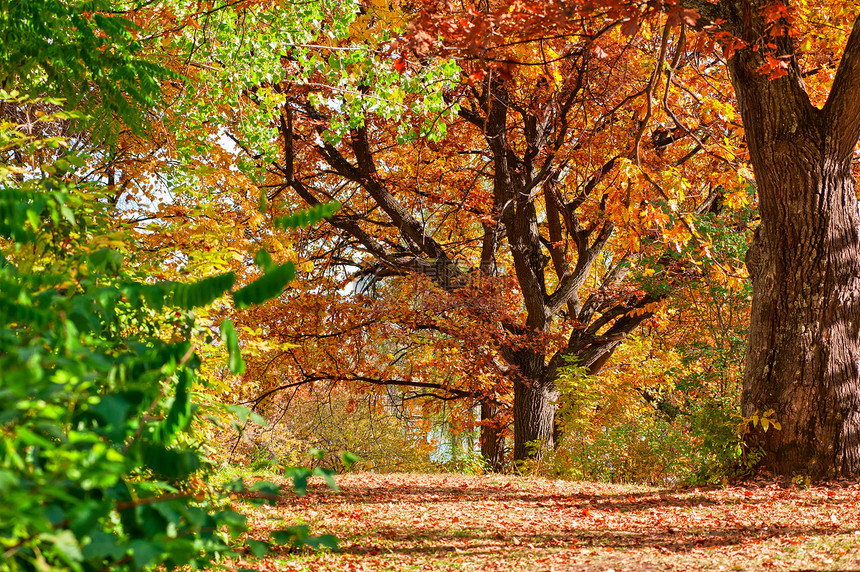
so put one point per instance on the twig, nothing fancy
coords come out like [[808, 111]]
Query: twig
[[649, 92]]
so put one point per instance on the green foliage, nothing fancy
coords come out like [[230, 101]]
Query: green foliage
[[99, 467], [85, 52], [295, 536], [234, 359], [97, 454], [267, 286], [201, 293], [309, 216], [338, 50]]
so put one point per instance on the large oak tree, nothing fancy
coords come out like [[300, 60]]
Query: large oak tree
[[803, 359], [530, 213], [802, 366]]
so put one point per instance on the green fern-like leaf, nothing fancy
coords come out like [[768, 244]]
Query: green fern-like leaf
[[234, 360], [265, 287], [308, 217], [180, 412], [203, 292]]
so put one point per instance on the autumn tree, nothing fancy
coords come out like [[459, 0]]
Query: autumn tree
[[802, 358], [540, 201], [796, 96]]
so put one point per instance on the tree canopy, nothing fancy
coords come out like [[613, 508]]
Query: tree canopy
[[562, 225]]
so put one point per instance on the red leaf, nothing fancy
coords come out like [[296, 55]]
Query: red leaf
[[777, 73], [629, 27], [690, 16]]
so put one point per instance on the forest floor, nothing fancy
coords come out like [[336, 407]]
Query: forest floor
[[456, 522]]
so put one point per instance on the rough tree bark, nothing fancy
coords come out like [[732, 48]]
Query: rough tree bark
[[492, 442], [803, 358]]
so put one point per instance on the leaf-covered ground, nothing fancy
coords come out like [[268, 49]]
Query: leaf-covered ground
[[456, 522]]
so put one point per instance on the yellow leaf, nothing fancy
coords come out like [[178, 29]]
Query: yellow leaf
[[746, 174]]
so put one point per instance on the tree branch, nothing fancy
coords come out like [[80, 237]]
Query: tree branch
[[841, 112], [453, 393]]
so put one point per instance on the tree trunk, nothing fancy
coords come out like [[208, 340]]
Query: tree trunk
[[804, 342], [534, 416], [492, 441], [802, 358]]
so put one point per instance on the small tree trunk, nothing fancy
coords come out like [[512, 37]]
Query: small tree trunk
[[492, 441], [534, 418]]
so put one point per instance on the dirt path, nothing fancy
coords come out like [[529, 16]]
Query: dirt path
[[455, 522]]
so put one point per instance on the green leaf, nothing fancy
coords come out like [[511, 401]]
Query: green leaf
[[234, 355], [66, 544], [268, 286], [268, 492], [203, 292], [308, 217], [67, 214], [170, 463], [257, 547], [323, 540], [179, 415], [106, 259], [75, 159], [34, 219], [103, 544], [263, 203], [292, 535], [300, 477], [143, 552], [244, 413], [328, 476], [349, 459], [263, 259], [113, 409]]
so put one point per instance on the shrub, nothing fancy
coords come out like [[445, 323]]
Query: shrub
[[633, 424], [333, 420], [99, 467]]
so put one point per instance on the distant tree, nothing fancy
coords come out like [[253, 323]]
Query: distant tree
[[525, 182]]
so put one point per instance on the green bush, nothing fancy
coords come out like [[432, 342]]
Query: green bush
[[99, 467], [636, 425], [96, 408]]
